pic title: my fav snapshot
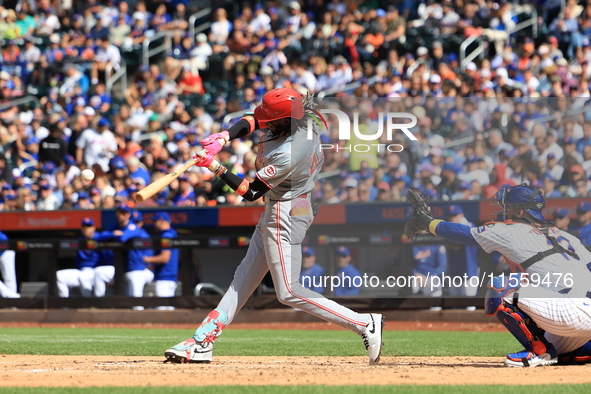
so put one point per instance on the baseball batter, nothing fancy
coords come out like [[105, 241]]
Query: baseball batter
[[545, 304], [287, 165]]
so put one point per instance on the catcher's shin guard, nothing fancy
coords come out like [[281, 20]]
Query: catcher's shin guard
[[523, 328], [577, 357]]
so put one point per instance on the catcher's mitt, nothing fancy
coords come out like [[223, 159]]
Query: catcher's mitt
[[421, 216]]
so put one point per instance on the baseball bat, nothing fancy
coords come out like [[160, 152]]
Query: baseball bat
[[167, 179]]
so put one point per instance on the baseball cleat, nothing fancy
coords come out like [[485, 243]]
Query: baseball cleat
[[190, 351], [372, 337], [529, 359]]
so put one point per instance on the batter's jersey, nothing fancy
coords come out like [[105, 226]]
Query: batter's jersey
[[517, 242], [289, 164]]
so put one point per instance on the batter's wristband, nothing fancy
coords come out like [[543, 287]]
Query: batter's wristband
[[243, 188], [433, 226]]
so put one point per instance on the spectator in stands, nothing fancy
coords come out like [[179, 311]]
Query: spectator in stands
[[350, 277], [165, 261], [46, 200], [53, 148], [312, 274], [96, 146], [561, 219]]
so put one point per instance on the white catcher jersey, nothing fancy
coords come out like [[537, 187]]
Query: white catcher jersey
[[517, 242], [289, 164]]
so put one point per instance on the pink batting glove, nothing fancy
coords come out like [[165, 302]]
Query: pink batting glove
[[203, 161], [212, 143]]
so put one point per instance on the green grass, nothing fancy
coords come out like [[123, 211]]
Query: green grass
[[153, 342], [539, 389]]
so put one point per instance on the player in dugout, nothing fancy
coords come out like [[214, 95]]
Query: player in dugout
[[287, 165], [545, 302]]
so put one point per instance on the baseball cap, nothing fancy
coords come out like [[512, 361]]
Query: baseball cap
[[308, 251], [455, 210], [132, 188], [82, 195], [184, 177], [351, 182], [435, 78], [89, 111], [87, 222], [124, 207], [583, 207], [162, 216], [577, 168], [560, 213], [384, 186], [48, 167], [119, 165], [448, 167], [103, 122], [95, 191], [422, 51], [343, 251], [10, 197], [569, 140], [551, 156], [136, 216], [44, 186], [6, 186]]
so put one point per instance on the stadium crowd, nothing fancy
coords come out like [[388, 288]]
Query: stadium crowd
[[478, 128]]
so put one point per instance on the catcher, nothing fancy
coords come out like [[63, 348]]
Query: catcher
[[287, 166], [545, 303]]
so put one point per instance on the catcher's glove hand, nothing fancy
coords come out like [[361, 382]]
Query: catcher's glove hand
[[421, 216]]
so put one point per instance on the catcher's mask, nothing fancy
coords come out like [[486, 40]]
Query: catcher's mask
[[519, 197]]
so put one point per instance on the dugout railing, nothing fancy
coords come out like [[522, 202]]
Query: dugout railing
[[50, 250]]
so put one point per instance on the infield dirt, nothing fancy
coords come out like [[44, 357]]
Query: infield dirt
[[80, 371]]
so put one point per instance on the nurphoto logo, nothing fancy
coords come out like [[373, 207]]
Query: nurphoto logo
[[391, 121]]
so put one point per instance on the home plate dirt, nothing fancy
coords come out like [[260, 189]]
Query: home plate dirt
[[80, 371]]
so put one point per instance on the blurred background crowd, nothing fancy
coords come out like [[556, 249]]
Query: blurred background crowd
[[504, 107]]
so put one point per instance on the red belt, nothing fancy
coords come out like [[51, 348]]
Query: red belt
[[302, 196]]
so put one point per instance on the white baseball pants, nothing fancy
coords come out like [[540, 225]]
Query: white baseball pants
[[276, 247], [136, 282], [83, 279], [567, 321], [7, 267], [103, 275]]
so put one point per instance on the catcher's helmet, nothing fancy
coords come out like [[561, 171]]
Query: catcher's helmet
[[521, 197], [278, 104]]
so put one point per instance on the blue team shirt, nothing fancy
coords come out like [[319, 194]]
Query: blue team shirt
[[429, 259], [135, 257], [131, 230], [347, 287], [3, 237], [316, 275], [463, 259], [170, 270], [180, 199], [585, 235], [89, 258]]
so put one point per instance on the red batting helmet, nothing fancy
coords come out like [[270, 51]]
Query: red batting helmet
[[278, 104]]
